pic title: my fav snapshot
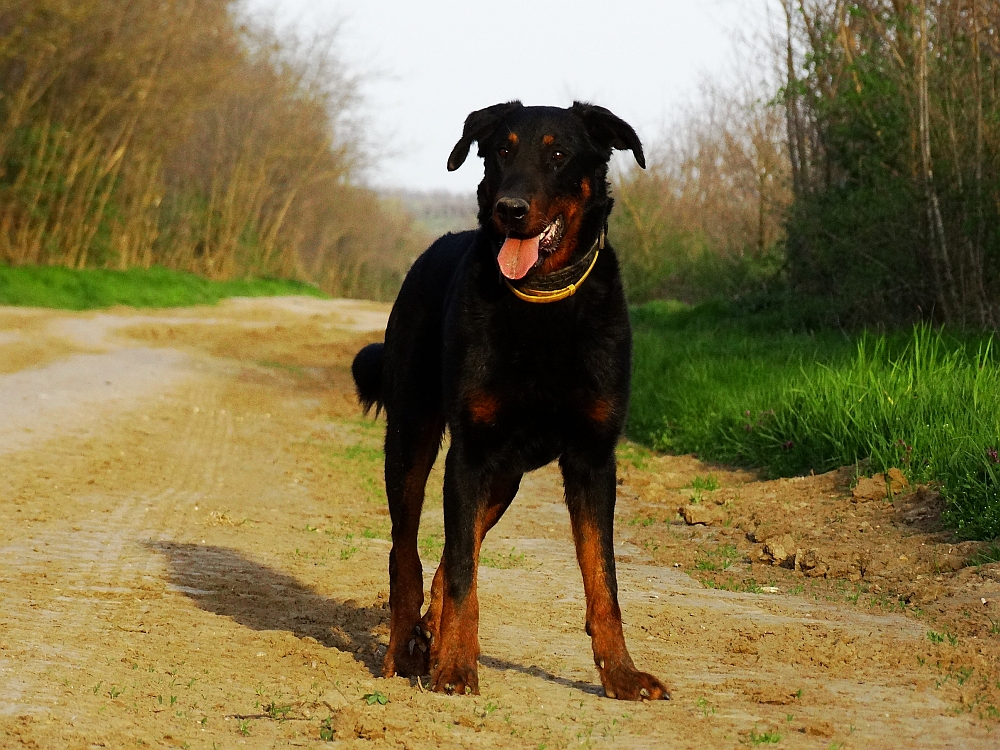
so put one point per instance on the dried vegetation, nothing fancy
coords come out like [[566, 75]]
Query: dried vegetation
[[183, 134]]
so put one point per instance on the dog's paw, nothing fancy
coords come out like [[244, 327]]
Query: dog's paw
[[455, 679], [411, 659], [632, 685], [427, 629]]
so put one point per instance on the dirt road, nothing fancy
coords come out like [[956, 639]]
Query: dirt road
[[193, 553]]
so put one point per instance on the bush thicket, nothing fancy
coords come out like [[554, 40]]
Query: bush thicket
[[706, 218], [871, 154], [893, 119]]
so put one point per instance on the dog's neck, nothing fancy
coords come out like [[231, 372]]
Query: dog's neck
[[558, 285]]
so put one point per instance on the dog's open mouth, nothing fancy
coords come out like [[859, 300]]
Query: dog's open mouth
[[518, 256]]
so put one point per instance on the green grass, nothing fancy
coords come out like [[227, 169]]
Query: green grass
[[88, 289], [696, 369], [749, 392]]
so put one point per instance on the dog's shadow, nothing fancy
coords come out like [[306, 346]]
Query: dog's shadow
[[224, 582], [534, 671]]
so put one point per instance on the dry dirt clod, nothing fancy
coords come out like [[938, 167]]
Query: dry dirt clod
[[702, 514], [880, 486], [780, 549], [810, 563], [897, 481], [870, 488]]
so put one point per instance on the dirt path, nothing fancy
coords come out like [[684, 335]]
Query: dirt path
[[193, 554]]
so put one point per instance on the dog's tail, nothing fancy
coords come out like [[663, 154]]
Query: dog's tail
[[367, 372]]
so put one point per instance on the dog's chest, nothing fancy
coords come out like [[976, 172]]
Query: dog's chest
[[520, 375]]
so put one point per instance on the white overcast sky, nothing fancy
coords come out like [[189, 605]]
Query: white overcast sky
[[428, 63]]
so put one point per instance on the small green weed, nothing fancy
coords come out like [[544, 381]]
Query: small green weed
[[244, 727], [856, 594], [486, 710], [431, 547], [704, 707], [377, 697], [986, 556], [763, 738], [720, 558], [512, 559], [326, 730], [275, 711], [707, 483], [642, 521]]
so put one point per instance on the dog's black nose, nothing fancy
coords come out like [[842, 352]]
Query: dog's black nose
[[512, 210]]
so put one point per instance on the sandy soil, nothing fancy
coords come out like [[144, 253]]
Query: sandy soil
[[194, 545]]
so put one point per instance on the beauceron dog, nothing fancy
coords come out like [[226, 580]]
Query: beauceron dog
[[515, 337]]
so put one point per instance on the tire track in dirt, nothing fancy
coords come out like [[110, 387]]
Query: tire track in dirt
[[105, 559], [93, 565], [70, 396]]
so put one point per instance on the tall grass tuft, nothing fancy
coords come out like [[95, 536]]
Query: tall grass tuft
[[927, 402]]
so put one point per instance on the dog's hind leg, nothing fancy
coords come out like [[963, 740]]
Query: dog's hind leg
[[590, 496], [473, 503], [410, 449]]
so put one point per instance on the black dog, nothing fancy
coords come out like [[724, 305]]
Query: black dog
[[471, 345]]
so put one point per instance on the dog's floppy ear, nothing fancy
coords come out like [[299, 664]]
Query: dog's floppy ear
[[478, 126], [609, 130]]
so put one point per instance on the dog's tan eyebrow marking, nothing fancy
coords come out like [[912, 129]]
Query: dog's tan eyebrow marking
[[548, 140], [512, 137]]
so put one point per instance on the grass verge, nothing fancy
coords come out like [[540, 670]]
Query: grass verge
[[88, 289], [745, 391]]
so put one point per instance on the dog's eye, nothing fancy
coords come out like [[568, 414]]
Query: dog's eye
[[503, 152], [558, 156]]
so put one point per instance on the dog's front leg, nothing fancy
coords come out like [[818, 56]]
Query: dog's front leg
[[474, 501], [590, 496]]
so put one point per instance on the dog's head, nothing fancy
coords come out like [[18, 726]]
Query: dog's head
[[545, 191]]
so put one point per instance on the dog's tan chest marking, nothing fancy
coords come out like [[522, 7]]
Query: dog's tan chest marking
[[483, 407]]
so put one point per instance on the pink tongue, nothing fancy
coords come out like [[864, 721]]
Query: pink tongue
[[517, 257]]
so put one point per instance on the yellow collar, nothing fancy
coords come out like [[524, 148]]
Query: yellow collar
[[544, 296]]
